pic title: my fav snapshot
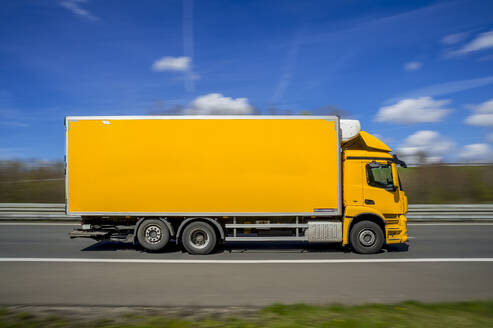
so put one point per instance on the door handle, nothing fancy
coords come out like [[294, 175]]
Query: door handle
[[369, 202]]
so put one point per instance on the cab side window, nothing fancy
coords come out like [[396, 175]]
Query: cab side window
[[380, 177]]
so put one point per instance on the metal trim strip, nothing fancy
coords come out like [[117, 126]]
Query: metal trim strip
[[67, 127], [339, 165], [283, 238], [267, 225], [323, 214], [206, 117]]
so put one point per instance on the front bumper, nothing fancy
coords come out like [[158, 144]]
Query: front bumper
[[396, 230]]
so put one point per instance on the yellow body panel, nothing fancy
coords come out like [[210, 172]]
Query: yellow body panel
[[373, 142], [346, 224], [156, 165], [353, 183]]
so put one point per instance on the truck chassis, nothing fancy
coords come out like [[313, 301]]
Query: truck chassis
[[201, 235]]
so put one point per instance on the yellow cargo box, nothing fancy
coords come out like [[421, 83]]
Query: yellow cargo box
[[203, 166]]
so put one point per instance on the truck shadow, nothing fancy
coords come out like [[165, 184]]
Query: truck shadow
[[296, 247], [397, 248], [239, 247], [112, 246]]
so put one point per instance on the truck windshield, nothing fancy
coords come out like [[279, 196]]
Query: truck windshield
[[380, 176]]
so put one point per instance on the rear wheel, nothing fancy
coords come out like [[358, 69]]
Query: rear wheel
[[153, 234], [366, 237], [199, 238]]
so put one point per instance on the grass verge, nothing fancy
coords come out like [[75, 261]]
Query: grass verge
[[407, 314]]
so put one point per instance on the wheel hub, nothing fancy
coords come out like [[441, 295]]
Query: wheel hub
[[367, 237], [153, 234], [199, 238]]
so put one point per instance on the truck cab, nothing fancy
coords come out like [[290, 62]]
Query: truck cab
[[373, 192]]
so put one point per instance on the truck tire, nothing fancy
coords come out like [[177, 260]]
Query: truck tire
[[199, 238], [366, 237], [153, 234]]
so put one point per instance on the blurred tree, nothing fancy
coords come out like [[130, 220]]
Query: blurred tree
[[421, 157], [159, 107], [333, 111], [255, 111], [43, 182], [329, 110]]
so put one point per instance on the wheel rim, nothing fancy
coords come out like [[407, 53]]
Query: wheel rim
[[153, 234], [199, 238], [367, 237]]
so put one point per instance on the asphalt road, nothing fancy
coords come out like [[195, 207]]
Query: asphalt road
[[424, 272]]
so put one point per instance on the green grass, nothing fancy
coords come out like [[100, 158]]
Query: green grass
[[407, 314]]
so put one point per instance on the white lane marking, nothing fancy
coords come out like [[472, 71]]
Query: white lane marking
[[313, 261], [451, 224], [411, 237], [38, 223]]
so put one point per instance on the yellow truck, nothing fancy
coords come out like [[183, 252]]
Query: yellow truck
[[203, 180]]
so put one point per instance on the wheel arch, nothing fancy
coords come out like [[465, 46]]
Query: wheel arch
[[215, 225], [368, 216]]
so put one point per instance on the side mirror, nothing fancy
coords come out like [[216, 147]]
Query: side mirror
[[398, 161]]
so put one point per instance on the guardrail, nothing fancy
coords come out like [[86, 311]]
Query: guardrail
[[450, 212], [417, 212], [31, 211]]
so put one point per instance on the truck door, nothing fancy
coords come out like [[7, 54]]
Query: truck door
[[381, 189]]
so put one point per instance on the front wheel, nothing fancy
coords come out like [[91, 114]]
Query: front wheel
[[199, 238], [366, 237]]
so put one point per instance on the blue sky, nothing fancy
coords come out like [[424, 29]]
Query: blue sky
[[419, 74]]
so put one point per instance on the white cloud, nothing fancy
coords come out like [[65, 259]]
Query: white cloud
[[480, 119], [483, 114], [453, 38], [425, 145], [414, 110], [413, 66], [172, 64], [476, 153], [75, 7], [217, 104], [482, 41]]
